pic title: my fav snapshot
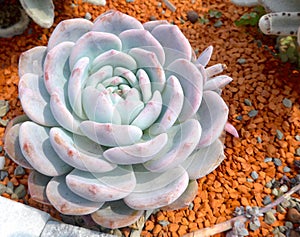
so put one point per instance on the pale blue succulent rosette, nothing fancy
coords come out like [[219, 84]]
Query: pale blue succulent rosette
[[120, 118]]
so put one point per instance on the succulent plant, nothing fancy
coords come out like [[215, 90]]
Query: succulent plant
[[40, 11], [288, 49], [120, 118], [283, 17]]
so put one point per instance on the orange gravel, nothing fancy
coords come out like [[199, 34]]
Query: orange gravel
[[262, 79]]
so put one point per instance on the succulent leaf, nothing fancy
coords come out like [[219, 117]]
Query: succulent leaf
[[204, 160], [42, 12], [77, 80], [115, 22], [155, 190], [213, 113], [35, 99], [191, 81], [205, 56], [173, 99], [93, 44], [181, 146], [137, 153], [37, 184], [32, 61], [173, 41], [108, 134], [150, 64], [56, 72], [150, 112], [69, 31], [38, 151], [185, 199], [217, 82], [101, 187], [116, 214], [79, 151], [13, 148], [142, 39], [150, 25], [67, 202]]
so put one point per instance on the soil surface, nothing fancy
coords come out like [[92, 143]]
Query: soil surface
[[267, 128]]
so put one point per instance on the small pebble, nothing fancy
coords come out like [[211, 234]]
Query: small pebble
[[277, 162], [3, 174], [259, 139], [88, 16], [14, 196], [284, 188], [275, 192], [286, 169], [2, 188], [282, 229], [164, 223], [19, 171], [280, 209], [289, 224], [254, 175], [152, 18], [250, 180], [218, 24], [298, 151], [20, 191], [129, 0], [252, 113], [287, 103], [191, 206], [267, 200], [268, 184], [9, 188], [241, 61], [285, 203], [293, 203], [2, 162], [239, 117], [192, 16], [275, 230], [297, 137], [279, 134], [253, 226], [247, 102], [268, 159], [269, 217]]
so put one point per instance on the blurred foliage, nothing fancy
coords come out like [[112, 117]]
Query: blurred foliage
[[251, 18]]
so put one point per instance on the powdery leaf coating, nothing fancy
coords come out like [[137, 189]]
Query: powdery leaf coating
[[122, 114]]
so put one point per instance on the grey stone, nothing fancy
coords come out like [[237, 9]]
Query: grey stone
[[267, 200], [239, 117], [250, 180], [289, 225], [88, 16], [9, 187], [275, 230], [285, 203], [19, 171], [22, 220], [268, 184], [280, 209], [253, 226], [2, 188], [286, 169], [297, 137], [2, 162], [3, 174], [254, 175], [164, 223], [298, 151], [287, 103], [277, 162], [275, 192], [20, 191], [282, 229], [247, 102], [269, 217], [268, 159], [252, 113], [241, 60], [279, 134], [259, 139], [284, 188], [57, 229]]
